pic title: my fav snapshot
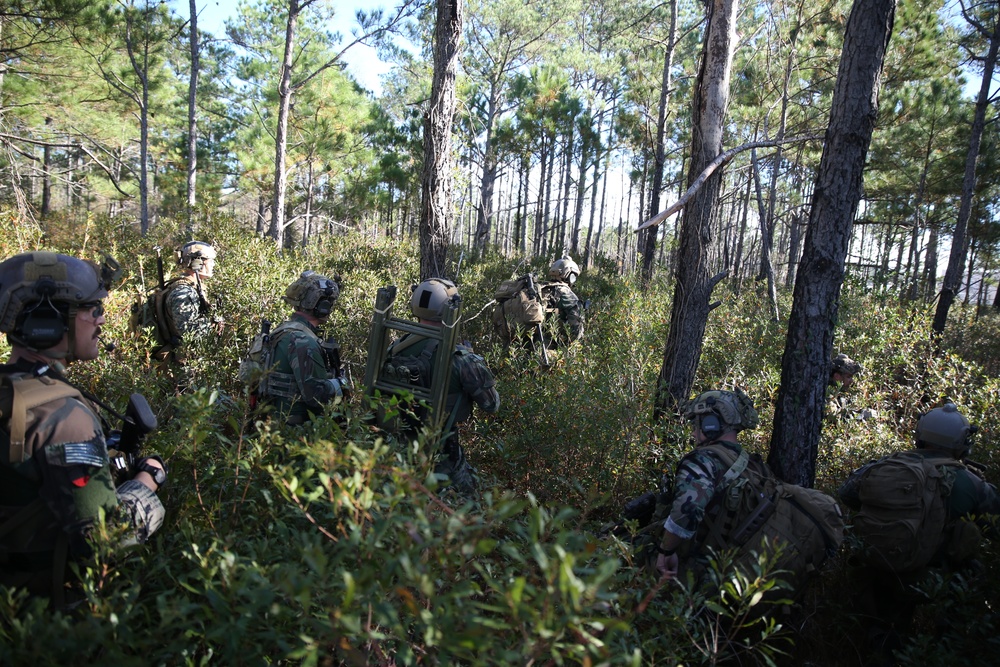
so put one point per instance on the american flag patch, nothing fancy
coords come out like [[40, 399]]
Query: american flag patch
[[84, 453]]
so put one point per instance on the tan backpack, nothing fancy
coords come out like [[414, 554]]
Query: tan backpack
[[904, 510], [753, 511], [518, 306]]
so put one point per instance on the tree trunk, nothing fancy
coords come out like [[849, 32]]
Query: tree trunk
[[648, 240], [805, 367], [436, 180], [484, 219], [766, 240], [277, 229], [46, 176], [192, 175], [956, 259], [693, 289]]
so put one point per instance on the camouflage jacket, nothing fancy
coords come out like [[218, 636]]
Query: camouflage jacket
[[695, 485], [300, 383], [560, 299], [188, 309], [64, 463], [471, 380]]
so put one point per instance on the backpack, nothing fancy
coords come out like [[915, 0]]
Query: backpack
[[904, 510], [753, 511], [517, 304], [149, 314]]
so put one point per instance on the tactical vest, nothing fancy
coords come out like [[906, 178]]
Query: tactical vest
[[33, 547], [274, 383]]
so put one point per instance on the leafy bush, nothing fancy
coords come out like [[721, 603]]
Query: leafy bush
[[331, 544]]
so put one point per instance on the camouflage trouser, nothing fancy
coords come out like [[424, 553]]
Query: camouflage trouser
[[452, 463], [143, 508]]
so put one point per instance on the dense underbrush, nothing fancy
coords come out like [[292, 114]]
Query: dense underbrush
[[332, 544]]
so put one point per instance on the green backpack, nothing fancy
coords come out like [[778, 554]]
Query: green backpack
[[904, 510], [753, 511]]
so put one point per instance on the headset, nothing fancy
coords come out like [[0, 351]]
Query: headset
[[43, 325], [324, 304], [710, 425]]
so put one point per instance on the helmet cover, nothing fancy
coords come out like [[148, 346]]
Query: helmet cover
[[192, 255], [733, 408], [430, 297], [564, 269], [313, 293], [29, 279], [844, 364]]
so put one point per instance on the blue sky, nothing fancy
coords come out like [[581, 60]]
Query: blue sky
[[362, 61]]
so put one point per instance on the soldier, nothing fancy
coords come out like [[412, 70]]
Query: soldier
[[54, 463], [303, 372], [471, 380], [843, 370], [563, 308], [915, 512], [716, 416], [544, 313], [186, 310]]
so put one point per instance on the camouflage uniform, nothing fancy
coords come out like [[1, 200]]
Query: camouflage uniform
[[695, 486], [301, 383], [65, 470], [567, 327], [187, 309], [471, 383]]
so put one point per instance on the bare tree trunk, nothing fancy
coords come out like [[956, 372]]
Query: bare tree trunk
[[193, 119], [648, 240], [436, 181], [277, 229], [693, 289], [46, 176], [956, 260], [805, 367], [766, 240]]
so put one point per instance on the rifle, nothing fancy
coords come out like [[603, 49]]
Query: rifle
[[124, 445], [533, 293], [331, 354]]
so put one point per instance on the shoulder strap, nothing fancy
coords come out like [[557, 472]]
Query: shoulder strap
[[29, 393], [409, 341], [292, 325], [737, 462]]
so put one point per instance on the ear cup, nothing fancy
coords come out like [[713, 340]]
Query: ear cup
[[711, 426], [43, 327], [323, 308]]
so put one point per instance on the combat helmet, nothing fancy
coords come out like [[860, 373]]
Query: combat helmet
[[564, 269], [313, 293], [40, 293], [430, 297], [945, 428], [192, 255], [732, 410], [844, 364]]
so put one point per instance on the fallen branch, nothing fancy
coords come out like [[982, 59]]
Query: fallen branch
[[721, 160]]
